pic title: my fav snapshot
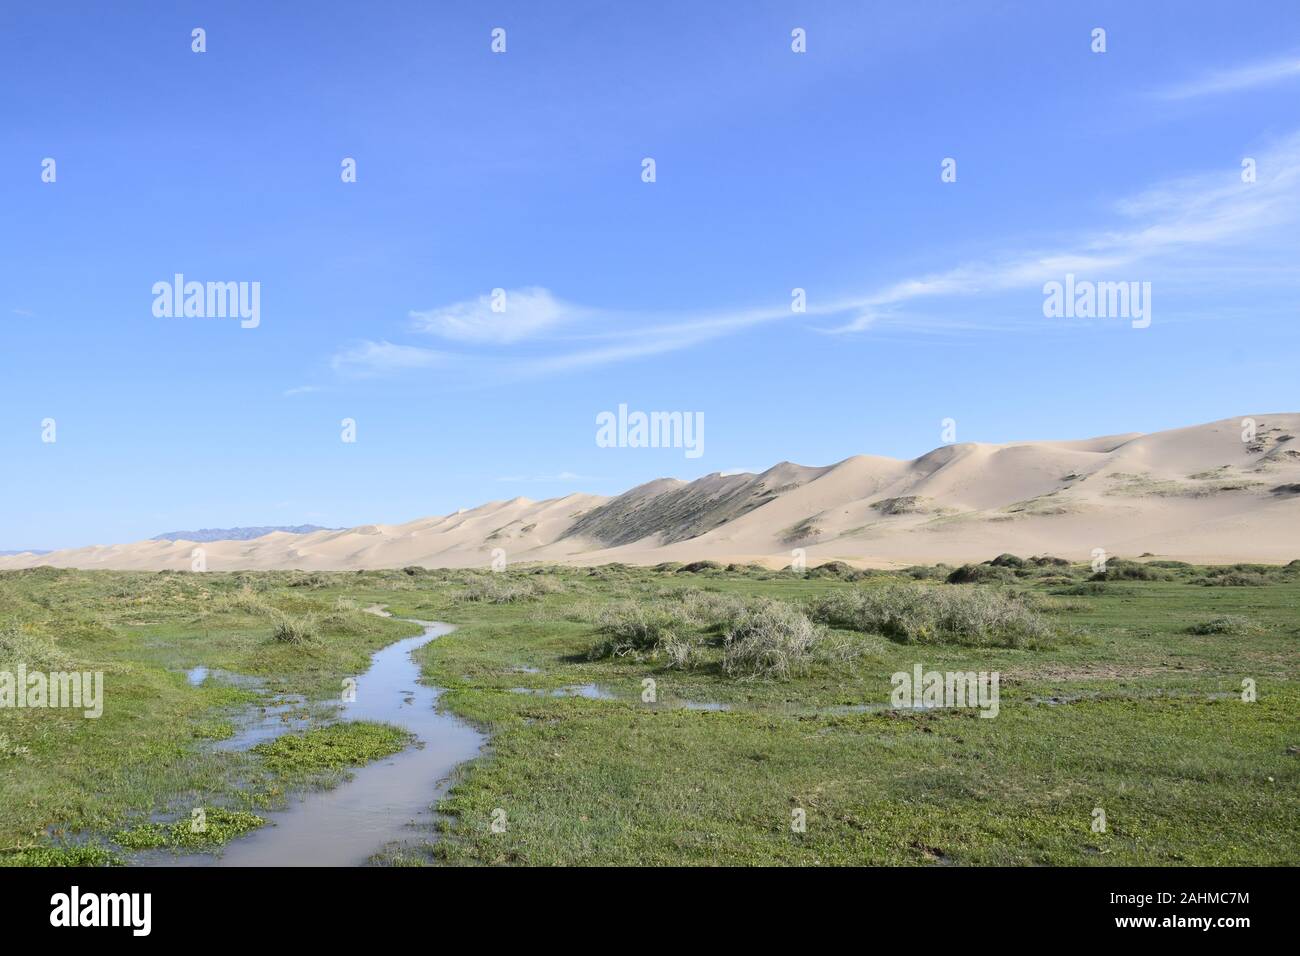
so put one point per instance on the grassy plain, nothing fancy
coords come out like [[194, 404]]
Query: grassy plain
[[1129, 701]]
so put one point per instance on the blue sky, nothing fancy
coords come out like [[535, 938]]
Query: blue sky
[[523, 171]]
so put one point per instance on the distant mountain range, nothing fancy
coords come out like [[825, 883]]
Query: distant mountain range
[[8, 554], [233, 534], [1222, 492]]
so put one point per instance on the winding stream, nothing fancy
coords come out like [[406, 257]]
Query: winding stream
[[382, 801]]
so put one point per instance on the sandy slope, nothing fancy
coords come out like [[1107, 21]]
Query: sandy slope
[[1197, 494]]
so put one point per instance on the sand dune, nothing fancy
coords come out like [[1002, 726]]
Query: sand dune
[[1196, 494]]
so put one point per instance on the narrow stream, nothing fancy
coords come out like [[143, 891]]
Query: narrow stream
[[346, 825]]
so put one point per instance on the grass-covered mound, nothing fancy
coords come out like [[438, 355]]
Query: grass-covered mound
[[920, 614]]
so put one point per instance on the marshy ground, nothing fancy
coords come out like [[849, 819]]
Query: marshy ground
[[680, 715]]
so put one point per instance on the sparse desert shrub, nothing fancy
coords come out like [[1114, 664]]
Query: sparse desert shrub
[[244, 601], [19, 645], [927, 572], [978, 574], [710, 609], [1007, 560], [674, 626], [1121, 570], [906, 505], [547, 584], [350, 622], [634, 627], [1233, 624], [680, 654], [771, 641], [695, 567], [298, 631], [805, 530], [1047, 560], [1234, 579], [497, 590], [917, 614], [313, 581], [834, 569]]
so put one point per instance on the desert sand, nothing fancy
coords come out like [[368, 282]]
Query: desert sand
[[1200, 494]]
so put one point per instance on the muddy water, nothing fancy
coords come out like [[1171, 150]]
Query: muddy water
[[379, 805]]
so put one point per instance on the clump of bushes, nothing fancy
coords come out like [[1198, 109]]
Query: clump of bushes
[[349, 620], [244, 601], [673, 625], [314, 581], [1245, 575], [17, 643], [979, 574], [769, 641], [695, 567], [498, 590], [1118, 569], [835, 569], [1232, 624], [1234, 579], [917, 614], [927, 572], [635, 627], [759, 639], [296, 631]]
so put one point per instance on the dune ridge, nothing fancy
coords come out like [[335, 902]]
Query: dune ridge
[[1199, 493]]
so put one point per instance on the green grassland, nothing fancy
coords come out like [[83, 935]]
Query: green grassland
[[1120, 691]]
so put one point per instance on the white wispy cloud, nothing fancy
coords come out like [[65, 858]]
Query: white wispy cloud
[[510, 315], [605, 337], [373, 358], [301, 390], [1210, 213], [1211, 210], [1234, 80]]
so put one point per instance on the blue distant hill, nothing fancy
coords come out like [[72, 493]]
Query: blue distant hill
[[7, 554], [237, 534]]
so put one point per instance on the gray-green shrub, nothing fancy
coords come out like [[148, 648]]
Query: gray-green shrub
[[769, 641], [918, 614]]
